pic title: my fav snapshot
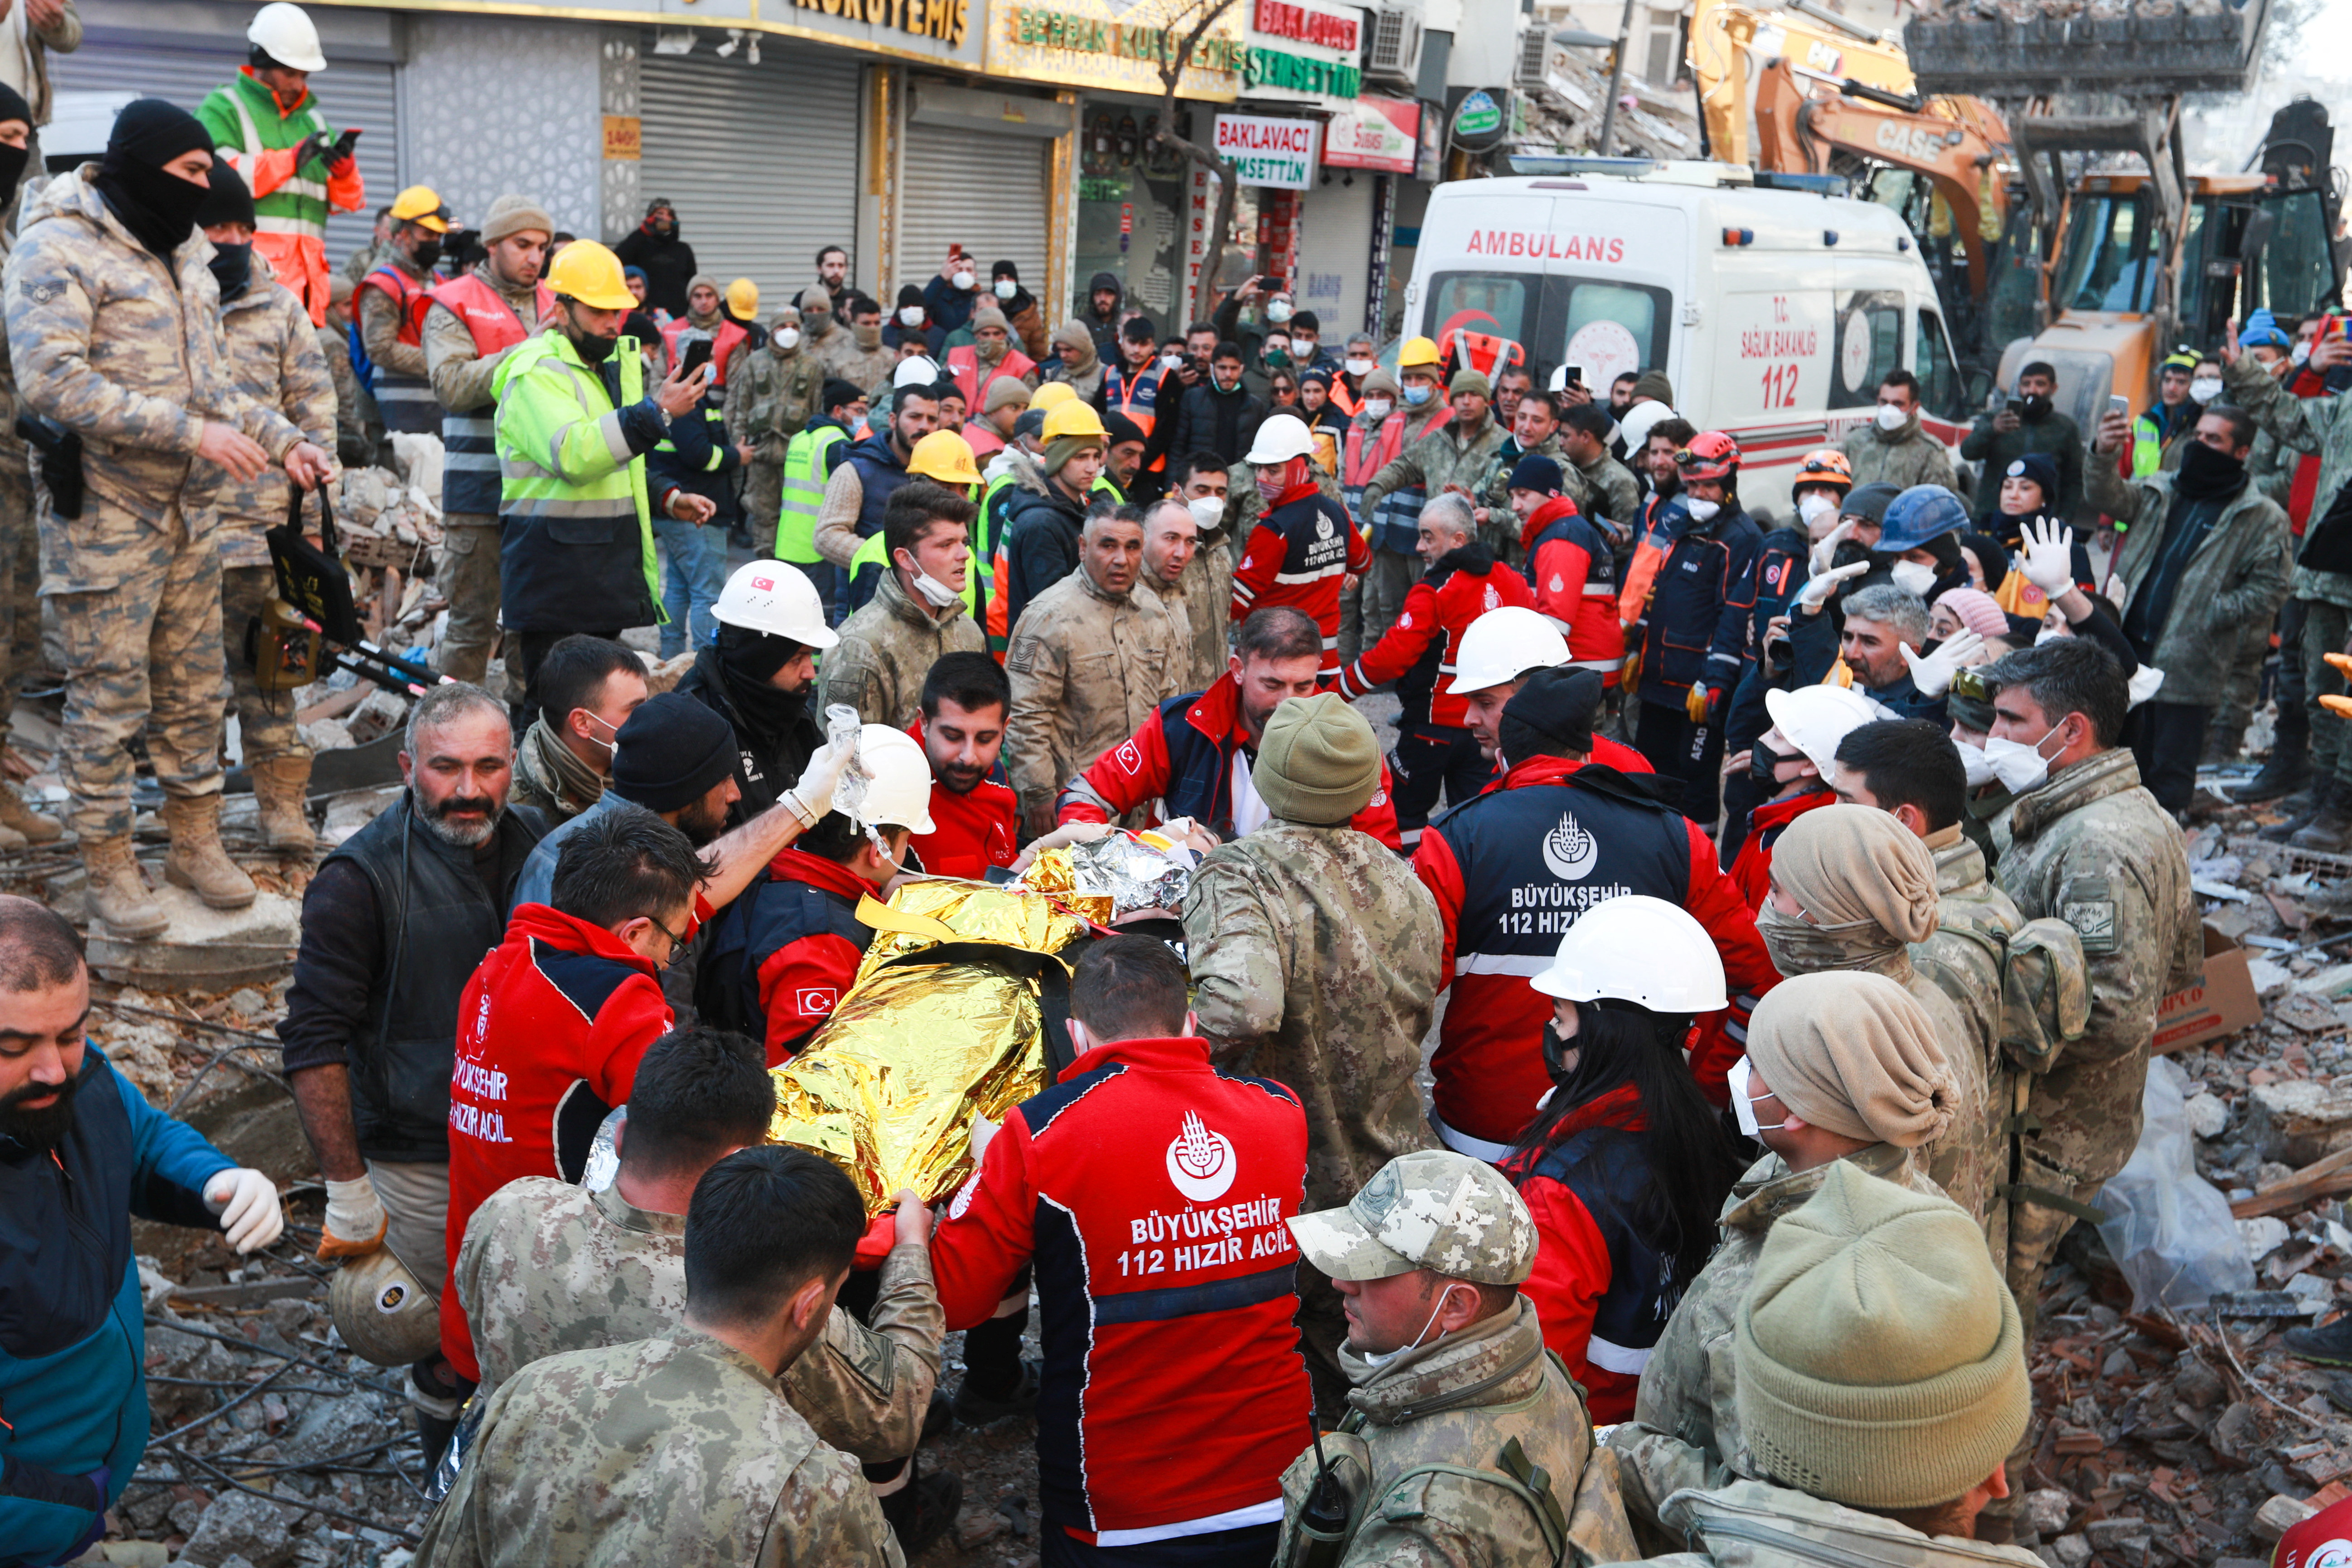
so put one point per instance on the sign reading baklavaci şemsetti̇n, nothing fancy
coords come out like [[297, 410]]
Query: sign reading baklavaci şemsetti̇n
[[1268, 152]]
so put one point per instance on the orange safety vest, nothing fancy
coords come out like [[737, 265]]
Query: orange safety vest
[[725, 339], [964, 364], [493, 326], [409, 297]]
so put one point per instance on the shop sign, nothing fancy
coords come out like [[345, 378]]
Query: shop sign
[[1266, 151], [907, 30], [1304, 51], [946, 20], [1298, 73], [1341, 30], [624, 137], [1478, 116], [1100, 43], [1381, 133]]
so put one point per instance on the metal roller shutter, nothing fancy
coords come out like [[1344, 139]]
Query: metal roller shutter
[[353, 92], [984, 193], [760, 161]]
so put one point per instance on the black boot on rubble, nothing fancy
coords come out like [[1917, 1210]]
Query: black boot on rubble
[[2286, 771], [924, 1509], [2330, 1346], [2330, 828], [2322, 796]]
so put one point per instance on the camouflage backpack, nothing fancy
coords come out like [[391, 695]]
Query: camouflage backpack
[[2045, 988]]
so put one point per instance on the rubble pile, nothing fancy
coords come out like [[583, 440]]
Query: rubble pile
[[1564, 114], [2065, 10]]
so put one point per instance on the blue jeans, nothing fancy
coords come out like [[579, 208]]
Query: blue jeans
[[698, 570]]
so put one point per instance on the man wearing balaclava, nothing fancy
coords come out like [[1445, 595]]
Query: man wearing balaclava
[[114, 332], [2204, 552], [20, 545]]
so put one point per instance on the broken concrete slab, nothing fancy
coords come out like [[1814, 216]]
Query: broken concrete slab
[[203, 947], [2299, 1120]]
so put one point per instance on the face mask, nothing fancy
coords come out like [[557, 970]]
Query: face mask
[[1359, 367], [2300, 352], [989, 350], [1303, 348], [1978, 766], [1006, 287], [1378, 408], [1378, 1359], [1278, 311], [594, 350], [786, 339], [1891, 419], [963, 279], [2017, 766], [2205, 469], [1764, 764], [1739, 1080], [428, 256], [912, 316], [1702, 510], [232, 269], [940, 594], [868, 333], [1275, 358], [1914, 578], [1221, 384], [1815, 506], [2205, 388], [1273, 481], [1208, 512], [1170, 364], [1415, 396], [1800, 947], [2037, 407]]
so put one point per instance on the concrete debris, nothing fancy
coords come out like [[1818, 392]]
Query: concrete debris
[[240, 1527]]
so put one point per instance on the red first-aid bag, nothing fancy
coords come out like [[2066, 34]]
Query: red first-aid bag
[[2323, 1541]]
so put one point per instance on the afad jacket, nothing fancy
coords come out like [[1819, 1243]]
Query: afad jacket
[[1419, 649], [1574, 575], [1696, 626]]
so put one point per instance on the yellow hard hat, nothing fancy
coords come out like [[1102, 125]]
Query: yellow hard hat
[[1052, 396], [1072, 418], [743, 300], [421, 204], [1417, 353], [946, 457], [590, 273]]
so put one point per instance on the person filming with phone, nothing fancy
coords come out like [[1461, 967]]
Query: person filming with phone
[[2030, 422]]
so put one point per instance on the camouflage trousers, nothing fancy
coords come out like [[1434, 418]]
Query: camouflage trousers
[[20, 583], [468, 578], [2228, 730], [1385, 586], [764, 504], [139, 615], [265, 720]]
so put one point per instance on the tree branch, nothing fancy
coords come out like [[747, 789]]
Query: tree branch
[[1172, 64]]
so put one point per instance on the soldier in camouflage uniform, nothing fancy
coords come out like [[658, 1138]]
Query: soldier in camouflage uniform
[[773, 390], [890, 643], [20, 544], [2092, 848], [683, 1450], [1464, 1440], [1314, 952], [114, 330], [1192, 601], [1841, 1068], [1457, 456], [1535, 433]]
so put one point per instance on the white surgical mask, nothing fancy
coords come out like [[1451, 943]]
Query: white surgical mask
[[1978, 766], [786, 337], [2205, 388], [1378, 407], [1378, 1359], [1815, 506], [1006, 287], [1278, 311], [1914, 577], [1359, 367], [1892, 418], [912, 316], [1172, 362], [1416, 395], [1739, 1080], [938, 592], [1208, 512], [2017, 766], [963, 279], [1302, 349], [1702, 510], [2300, 352]]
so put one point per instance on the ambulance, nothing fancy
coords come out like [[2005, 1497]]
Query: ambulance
[[1775, 308]]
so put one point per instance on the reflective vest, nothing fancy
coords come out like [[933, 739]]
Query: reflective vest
[[469, 470], [297, 207], [1137, 397], [407, 402], [805, 472], [725, 339], [556, 463], [964, 364]]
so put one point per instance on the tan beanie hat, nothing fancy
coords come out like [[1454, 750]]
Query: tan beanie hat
[[1882, 1363], [1320, 763], [1003, 392], [1469, 381], [510, 216], [990, 316], [1853, 1054], [1379, 380]]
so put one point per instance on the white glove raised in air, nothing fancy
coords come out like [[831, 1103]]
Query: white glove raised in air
[[1826, 551], [2049, 558], [1933, 675], [247, 1202], [1821, 585], [811, 797]]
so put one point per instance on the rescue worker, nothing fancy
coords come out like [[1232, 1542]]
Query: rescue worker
[[1202, 485], [868, 472], [1897, 1456], [1561, 833], [683, 1449], [2029, 422], [705, 316], [1129, 1467], [1893, 448], [1131, 386], [810, 459], [1090, 662], [1462, 1441], [115, 332], [1197, 753], [592, 687], [2204, 553], [1534, 432], [1462, 581], [473, 324], [2156, 435], [988, 358], [989, 428], [1841, 1068], [266, 125], [1123, 443], [859, 355], [1376, 434], [694, 458], [1042, 519], [1452, 454], [1170, 542], [918, 613], [975, 815], [1626, 1165], [392, 301], [774, 393], [1693, 629], [574, 424], [1315, 956], [20, 545], [2086, 843], [1584, 432], [1303, 547], [1497, 654], [760, 677], [273, 353], [1792, 764], [1570, 566], [1885, 627]]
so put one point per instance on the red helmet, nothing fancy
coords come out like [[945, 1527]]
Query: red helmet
[[1827, 467], [1712, 455]]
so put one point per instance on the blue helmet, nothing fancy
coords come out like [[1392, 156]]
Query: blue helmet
[[1919, 514]]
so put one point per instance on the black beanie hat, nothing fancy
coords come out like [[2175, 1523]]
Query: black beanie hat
[[228, 201], [1006, 269], [1550, 714], [671, 752], [13, 105], [909, 295], [151, 131]]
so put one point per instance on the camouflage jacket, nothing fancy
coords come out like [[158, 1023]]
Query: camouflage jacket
[[380, 322], [1446, 457], [1617, 494], [1426, 1429], [549, 779], [547, 1267], [1967, 969], [273, 353], [1494, 488], [112, 342], [887, 648], [1314, 954], [2092, 848], [868, 370], [1690, 1384], [770, 397], [1910, 456], [460, 374], [1756, 1525], [1197, 609], [2318, 424], [1088, 669], [678, 1450], [14, 457]]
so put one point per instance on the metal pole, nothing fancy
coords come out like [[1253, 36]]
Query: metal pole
[[1616, 78]]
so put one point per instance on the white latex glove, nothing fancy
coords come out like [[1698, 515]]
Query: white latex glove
[[984, 1133], [1933, 675], [1822, 584], [247, 1202], [355, 1220], [812, 797], [2050, 558], [1826, 551]]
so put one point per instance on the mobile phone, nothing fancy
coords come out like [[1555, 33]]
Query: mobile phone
[[1576, 375], [2017, 406], [345, 142], [2119, 404], [698, 355]]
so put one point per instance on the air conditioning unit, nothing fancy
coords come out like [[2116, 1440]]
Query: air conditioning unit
[[1535, 54], [1395, 52]]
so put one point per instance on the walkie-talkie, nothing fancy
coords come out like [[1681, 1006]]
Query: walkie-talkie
[[1323, 1519]]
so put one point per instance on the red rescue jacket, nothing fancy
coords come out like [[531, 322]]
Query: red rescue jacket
[[1751, 868], [1575, 581], [1301, 550], [971, 832], [1461, 586]]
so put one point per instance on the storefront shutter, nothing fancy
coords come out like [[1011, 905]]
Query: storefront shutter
[[983, 191]]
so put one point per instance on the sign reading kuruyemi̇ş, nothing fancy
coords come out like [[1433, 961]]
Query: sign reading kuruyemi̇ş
[[1266, 151]]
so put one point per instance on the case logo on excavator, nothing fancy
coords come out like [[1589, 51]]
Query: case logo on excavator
[[1913, 142]]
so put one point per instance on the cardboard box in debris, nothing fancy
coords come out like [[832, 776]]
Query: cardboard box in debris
[[2221, 1002]]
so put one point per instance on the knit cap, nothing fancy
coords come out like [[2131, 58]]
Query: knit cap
[[1004, 391], [1320, 763], [511, 216], [1469, 381], [2039, 466], [1977, 610], [228, 200], [1123, 429], [1061, 448], [1378, 382], [1853, 1054], [1653, 384], [670, 752], [990, 316], [1882, 1363], [1552, 708], [1536, 472]]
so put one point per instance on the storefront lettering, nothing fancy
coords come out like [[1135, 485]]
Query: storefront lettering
[[1324, 29], [1545, 247], [1036, 28], [1276, 67], [943, 19]]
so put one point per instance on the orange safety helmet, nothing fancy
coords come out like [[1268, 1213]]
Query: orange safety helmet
[[1827, 467], [1712, 455]]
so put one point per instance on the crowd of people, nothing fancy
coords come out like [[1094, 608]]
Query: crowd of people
[[1787, 903]]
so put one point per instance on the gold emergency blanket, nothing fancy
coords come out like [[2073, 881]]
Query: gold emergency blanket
[[887, 1088]]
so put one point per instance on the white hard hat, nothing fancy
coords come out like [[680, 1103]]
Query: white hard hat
[[777, 598], [1503, 645], [1635, 424], [1280, 438], [384, 1312], [899, 780], [1637, 949], [284, 33], [916, 372], [1816, 718]]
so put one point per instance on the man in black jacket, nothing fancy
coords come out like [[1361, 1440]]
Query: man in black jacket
[[1217, 414], [761, 676], [666, 260]]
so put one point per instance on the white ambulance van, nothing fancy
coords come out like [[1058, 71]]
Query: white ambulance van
[[1775, 312]]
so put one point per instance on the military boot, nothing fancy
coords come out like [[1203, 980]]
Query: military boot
[[2321, 796], [278, 787], [2330, 827], [2287, 769], [118, 898], [199, 861], [18, 817]]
